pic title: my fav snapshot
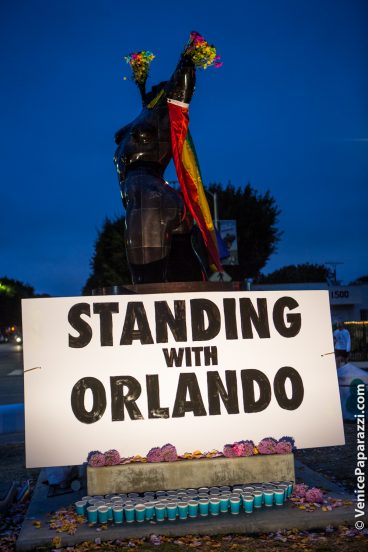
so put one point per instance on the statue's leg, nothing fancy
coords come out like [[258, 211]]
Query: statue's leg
[[153, 210]]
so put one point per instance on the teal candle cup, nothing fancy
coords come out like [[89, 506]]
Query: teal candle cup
[[160, 511], [117, 513], [268, 497], [193, 508], [235, 504], [129, 510], [81, 507], [248, 503], [110, 517], [86, 498], [284, 487], [237, 490], [140, 512], [290, 488], [203, 490], [225, 489], [99, 503], [160, 494], [92, 514], [224, 502], [203, 507], [183, 510], [279, 497], [150, 510], [258, 499], [172, 511], [102, 513], [214, 506], [133, 495], [248, 490]]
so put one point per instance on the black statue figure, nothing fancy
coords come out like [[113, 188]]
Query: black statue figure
[[154, 210]]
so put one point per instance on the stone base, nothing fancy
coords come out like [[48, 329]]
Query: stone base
[[141, 477]]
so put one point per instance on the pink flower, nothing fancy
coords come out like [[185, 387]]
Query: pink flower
[[155, 455], [290, 440], [228, 451], [96, 459], [314, 495], [169, 453], [300, 490], [283, 447], [112, 457], [267, 446], [243, 448]]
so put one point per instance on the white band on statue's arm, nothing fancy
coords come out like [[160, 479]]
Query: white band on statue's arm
[[176, 102]]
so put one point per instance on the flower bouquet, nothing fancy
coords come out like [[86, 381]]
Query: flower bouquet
[[201, 52], [139, 63]]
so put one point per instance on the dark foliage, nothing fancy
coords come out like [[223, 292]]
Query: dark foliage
[[296, 274], [109, 262]]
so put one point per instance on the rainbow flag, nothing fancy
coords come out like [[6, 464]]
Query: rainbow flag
[[189, 176]]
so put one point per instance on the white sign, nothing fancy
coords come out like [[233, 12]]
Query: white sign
[[197, 370]]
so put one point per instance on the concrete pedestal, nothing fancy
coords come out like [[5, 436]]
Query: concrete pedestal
[[143, 477]]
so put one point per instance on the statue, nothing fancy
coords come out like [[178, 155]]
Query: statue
[[155, 211]]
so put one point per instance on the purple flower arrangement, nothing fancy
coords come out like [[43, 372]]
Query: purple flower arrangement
[[314, 495], [168, 452], [155, 455], [112, 458], [97, 459], [303, 494], [267, 446], [240, 448]]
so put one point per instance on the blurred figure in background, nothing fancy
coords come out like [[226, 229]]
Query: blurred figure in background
[[342, 344]]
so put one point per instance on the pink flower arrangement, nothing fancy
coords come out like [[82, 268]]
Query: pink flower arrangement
[[267, 446], [169, 453], [283, 447], [228, 451], [314, 495], [300, 490], [112, 457], [155, 455], [243, 448], [96, 459]]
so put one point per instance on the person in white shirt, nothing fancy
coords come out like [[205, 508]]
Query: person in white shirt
[[342, 343]]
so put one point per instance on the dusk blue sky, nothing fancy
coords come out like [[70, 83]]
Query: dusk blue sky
[[287, 112]]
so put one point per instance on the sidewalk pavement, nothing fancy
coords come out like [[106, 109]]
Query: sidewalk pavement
[[265, 520]]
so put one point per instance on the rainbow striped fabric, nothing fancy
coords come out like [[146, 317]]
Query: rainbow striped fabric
[[189, 176]]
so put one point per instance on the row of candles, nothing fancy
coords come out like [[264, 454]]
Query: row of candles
[[183, 503]]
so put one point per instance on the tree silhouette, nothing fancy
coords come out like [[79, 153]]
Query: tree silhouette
[[297, 274]]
